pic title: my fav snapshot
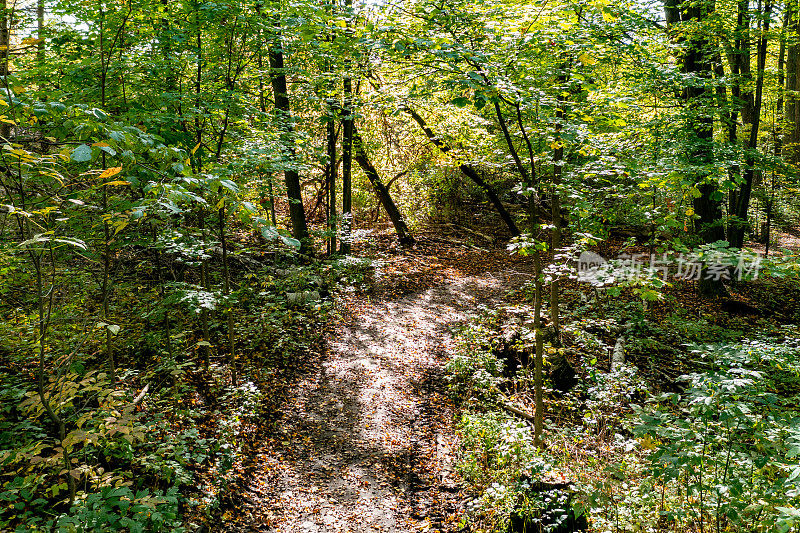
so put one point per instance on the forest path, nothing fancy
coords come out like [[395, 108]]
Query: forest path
[[367, 444]]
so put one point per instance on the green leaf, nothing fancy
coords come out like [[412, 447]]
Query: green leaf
[[82, 154], [289, 241], [113, 328]]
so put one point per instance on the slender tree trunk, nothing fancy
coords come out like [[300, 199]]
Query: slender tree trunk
[[5, 43], [779, 130], [332, 136], [198, 90], [383, 194], [262, 105], [227, 291], [538, 356], [166, 48], [40, 31], [347, 148], [555, 212], [332, 196], [347, 165], [742, 203], [780, 89], [284, 115], [206, 348], [106, 235], [792, 111], [160, 282], [45, 310]]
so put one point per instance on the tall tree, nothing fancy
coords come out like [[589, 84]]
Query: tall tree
[[687, 24], [347, 143], [283, 114], [751, 116]]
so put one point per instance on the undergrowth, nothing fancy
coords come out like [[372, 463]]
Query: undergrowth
[[158, 449], [714, 450]]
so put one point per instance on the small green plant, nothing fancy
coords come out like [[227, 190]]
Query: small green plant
[[116, 509], [726, 449]]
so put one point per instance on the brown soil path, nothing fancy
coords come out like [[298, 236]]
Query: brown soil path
[[367, 444]]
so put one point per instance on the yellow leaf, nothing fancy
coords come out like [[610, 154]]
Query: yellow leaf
[[3, 102], [113, 171], [689, 212], [119, 226], [101, 144], [648, 443], [118, 182], [195, 148], [555, 145], [586, 59], [31, 40]]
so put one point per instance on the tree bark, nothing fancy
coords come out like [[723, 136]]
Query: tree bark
[[696, 62], [347, 145], [347, 165], [331, 178], [791, 149], [40, 31], [226, 290]]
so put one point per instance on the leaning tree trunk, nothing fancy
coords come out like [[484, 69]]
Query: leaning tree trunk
[[383, 193], [469, 172]]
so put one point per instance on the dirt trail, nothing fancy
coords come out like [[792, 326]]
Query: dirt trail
[[367, 445]]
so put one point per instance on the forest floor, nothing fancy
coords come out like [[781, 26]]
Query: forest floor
[[366, 442]]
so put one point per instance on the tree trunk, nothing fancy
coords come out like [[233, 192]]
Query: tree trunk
[[226, 289], [347, 147], [555, 211], [695, 62], [40, 31], [331, 179], [742, 204], [347, 165], [792, 111], [383, 193], [206, 348], [284, 115]]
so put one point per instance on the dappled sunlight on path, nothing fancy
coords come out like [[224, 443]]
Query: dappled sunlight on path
[[366, 445]]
